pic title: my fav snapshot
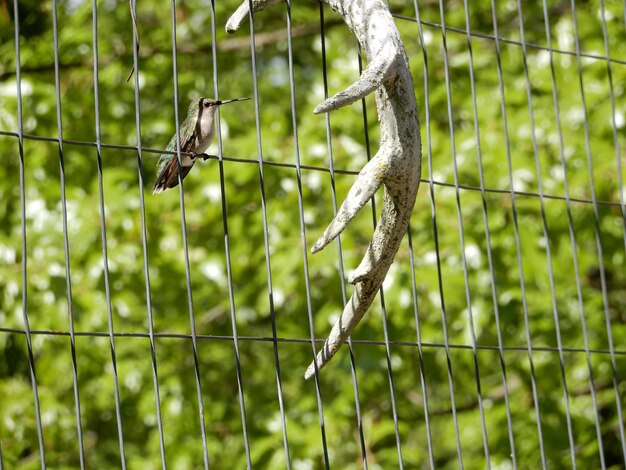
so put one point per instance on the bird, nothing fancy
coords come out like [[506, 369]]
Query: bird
[[196, 133]]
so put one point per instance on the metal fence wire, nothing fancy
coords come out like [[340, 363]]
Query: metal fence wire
[[173, 330]]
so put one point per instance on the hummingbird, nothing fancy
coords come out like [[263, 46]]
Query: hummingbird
[[196, 133]]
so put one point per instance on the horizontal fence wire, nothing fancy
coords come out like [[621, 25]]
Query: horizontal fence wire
[[411, 344], [226, 164], [269, 163], [338, 171], [495, 37]]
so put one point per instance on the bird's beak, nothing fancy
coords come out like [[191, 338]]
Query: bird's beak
[[221, 102]]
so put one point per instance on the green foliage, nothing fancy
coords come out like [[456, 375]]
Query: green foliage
[[547, 302]]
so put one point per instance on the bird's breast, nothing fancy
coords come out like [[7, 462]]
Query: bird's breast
[[206, 135]]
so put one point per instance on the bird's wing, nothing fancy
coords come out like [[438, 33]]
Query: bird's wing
[[168, 165], [186, 145]]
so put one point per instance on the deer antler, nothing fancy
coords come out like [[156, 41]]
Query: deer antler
[[396, 166]]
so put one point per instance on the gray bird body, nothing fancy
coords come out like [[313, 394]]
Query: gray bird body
[[196, 134]]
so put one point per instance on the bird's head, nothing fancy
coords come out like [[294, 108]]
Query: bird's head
[[208, 105]]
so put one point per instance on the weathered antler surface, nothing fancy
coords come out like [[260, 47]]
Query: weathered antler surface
[[396, 166]]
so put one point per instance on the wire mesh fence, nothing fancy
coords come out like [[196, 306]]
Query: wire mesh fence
[[173, 330]]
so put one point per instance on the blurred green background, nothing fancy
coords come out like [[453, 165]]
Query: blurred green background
[[560, 307]]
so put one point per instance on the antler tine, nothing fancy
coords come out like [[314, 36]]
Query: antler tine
[[368, 181], [369, 276], [241, 14], [354, 310], [371, 78], [396, 166]]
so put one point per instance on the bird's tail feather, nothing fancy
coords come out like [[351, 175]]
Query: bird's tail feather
[[168, 178]]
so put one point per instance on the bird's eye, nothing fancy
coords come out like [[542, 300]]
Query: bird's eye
[[207, 104]]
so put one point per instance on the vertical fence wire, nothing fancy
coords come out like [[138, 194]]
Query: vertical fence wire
[[266, 242], [29, 343], [144, 239], [518, 249], [333, 190], [607, 51], [468, 299], [546, 236], [596, 221], [392, 393], [614, 126], [624, 15], [485, 214], [181, 195], [66, 243], [418, 332], [572, 233], [292, 93], [618, 157], [420, 351], [103, 237], [433, 206], [229, 274]]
